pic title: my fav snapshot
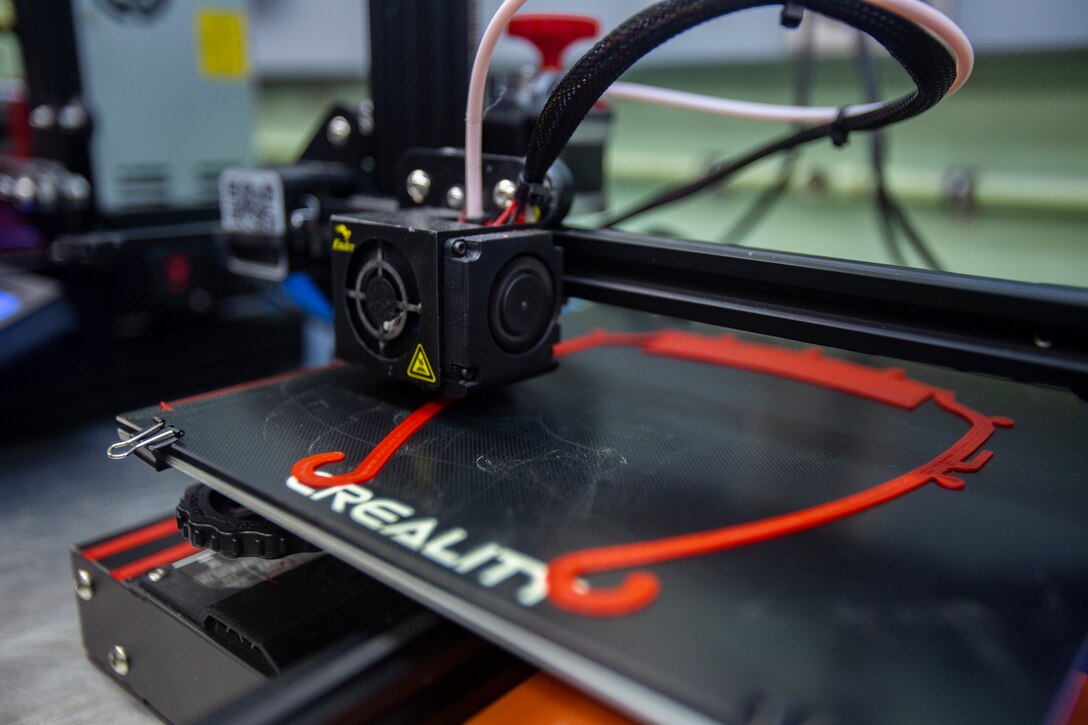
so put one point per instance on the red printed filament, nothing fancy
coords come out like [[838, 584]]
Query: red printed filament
[[567, 588]]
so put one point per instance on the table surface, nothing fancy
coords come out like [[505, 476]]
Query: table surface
[[60, 489]]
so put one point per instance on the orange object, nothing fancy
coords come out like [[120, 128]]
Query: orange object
[[544, 700]]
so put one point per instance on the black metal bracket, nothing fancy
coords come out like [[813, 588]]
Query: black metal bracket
[[1028, 332]]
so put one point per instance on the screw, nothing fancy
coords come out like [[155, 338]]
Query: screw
[[455, 197], [338, 131], [42, 118], [156, 575], [310, 211], [526, 74], [72, 117], [419, 185], [1041, 342], [366, 118], [468, 374], [118, 660], [84, 585], [459, 248], [77, 189], [47, 193], [26, 190], [200, 300], [961, 191], [503, 194], [818, 184]]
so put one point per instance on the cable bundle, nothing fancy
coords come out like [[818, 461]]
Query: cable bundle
[[933, 50], [929, 64]]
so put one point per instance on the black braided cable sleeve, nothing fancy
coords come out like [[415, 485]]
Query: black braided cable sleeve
[[929, 64]]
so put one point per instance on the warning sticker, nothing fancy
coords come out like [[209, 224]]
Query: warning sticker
[[420, 367], [221, 43]]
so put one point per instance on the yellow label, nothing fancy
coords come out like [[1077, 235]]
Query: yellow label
[[342, 241], [420, 367], [221, 43]]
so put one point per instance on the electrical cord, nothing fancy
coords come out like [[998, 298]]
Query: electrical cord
[[890, 214], [914, 10], [926, 60], [719, 173], [474, 108], [918, 12], [769, 197]]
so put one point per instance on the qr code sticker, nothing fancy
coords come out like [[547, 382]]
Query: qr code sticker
[[251, 202]]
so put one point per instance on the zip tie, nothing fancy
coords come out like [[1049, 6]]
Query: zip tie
[[839, 132]]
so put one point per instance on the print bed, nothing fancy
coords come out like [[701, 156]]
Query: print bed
[[690, 524]]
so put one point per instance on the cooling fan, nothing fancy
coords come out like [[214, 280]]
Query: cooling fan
[[382, 299]]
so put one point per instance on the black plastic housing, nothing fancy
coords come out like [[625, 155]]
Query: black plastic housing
[[448, 270]]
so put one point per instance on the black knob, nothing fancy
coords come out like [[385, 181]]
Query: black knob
[[210, 520], [522, 304]]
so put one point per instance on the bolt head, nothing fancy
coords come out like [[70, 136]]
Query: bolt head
[[118, 660], [503, 193], [366, 118], [72, 117], [338, 131], [42, 118], [77, 189], [418, 186], [84, 585], [48, 194], [200, 300], [26, 189], [455, 197], [459, 247], [156, 575]]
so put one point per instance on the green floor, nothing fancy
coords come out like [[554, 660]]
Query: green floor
[[1018, 128]]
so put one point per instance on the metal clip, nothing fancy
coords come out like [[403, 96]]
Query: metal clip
[[157, 436]]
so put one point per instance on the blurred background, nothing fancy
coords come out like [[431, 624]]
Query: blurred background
[[995, 178]]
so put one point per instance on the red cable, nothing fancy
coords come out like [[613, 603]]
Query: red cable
[[507, 213]]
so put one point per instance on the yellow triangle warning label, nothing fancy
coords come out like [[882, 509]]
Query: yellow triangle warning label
[[420, 367]]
